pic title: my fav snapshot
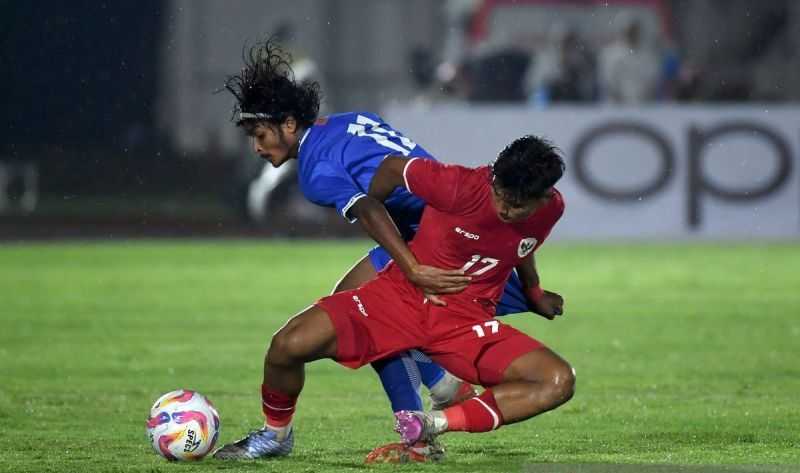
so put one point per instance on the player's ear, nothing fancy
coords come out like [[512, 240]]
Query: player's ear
[[289, 125]]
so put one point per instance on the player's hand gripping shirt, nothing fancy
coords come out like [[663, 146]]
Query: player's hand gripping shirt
[[460, 228], [338, 157]]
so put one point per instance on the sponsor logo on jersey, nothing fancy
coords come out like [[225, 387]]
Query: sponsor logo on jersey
[[466, 234], [360, 306], [526, 245]]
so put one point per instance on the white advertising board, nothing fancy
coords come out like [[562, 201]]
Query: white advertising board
[[728, 172]]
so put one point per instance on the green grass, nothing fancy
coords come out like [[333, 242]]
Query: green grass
[[685, 355]]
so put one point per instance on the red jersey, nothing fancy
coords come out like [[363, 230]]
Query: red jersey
[[460, 228]]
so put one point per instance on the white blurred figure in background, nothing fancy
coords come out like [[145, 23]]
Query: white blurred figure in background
[[262, 189], [630, 67]]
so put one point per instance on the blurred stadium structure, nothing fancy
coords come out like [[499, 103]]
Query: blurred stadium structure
[[679, 118]]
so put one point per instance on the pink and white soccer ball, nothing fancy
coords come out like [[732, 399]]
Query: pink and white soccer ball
[[183, 425]]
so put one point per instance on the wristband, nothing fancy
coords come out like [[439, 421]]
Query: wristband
[[536, 293]]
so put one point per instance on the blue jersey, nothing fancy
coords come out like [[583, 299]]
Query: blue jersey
[[338, 158]]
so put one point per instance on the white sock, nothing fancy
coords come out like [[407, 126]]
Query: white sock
[[439, 422], [445, 389], [280, 432]]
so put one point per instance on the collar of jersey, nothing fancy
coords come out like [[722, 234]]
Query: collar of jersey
[[303, 139]]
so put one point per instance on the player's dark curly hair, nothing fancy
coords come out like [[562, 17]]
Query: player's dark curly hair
[[266, 85], [527, 168]]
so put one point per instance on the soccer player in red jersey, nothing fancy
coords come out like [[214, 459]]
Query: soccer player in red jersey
[[486, 221]]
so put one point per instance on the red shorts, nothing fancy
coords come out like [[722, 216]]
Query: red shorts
[[386, 317]]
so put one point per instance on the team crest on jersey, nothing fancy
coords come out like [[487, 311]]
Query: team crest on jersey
[[526, 245]]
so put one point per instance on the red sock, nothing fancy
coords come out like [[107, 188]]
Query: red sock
[[479, 414], [278, 407]]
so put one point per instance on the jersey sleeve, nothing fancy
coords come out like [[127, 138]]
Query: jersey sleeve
[[334, 188], [434, 182], [554, 211]]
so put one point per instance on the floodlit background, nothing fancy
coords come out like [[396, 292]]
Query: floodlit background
[[678, 118], [144, 247]]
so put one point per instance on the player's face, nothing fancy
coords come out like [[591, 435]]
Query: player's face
[[510, 211], [275, 143]]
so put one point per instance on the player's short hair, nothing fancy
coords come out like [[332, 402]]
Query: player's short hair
[[527, 169], [266, 90]]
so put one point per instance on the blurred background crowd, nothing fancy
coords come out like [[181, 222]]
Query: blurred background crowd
[[113, 120], [625, 52]]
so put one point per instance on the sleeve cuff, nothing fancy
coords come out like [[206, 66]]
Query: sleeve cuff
[[350, 203], [405, 174]]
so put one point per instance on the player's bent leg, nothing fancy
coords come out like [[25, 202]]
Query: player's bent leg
[[306, 337], [478, 414], [526, 379], [534, 383]]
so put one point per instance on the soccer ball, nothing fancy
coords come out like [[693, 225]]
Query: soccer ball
[[183, 425]]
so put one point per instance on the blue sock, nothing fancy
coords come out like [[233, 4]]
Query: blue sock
[[401, 381], [430, 372]]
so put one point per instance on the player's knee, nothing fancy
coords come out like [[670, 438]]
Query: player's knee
[[550, 387], [561, 384], [288, 346]]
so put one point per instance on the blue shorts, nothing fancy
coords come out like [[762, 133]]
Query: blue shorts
[[512, 301]]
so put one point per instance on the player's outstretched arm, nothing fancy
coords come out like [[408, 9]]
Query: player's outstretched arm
[[375, 220], [388, 177], [545, 303]]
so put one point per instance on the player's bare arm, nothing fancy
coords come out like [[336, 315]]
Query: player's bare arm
[[378, 224], [388, 177], [545, 303]]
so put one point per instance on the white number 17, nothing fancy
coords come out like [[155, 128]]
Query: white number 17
[[489, 262], [492, 324]]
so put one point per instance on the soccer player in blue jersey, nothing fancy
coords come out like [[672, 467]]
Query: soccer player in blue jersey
[[338, 156]]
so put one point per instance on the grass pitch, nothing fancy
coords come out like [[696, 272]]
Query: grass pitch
[[685, 355]]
